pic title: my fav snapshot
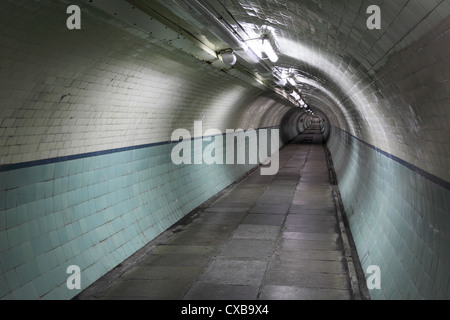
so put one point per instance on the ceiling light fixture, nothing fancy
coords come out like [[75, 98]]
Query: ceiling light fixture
[[228, 57], [295, 95], [204, 12], [292, 81], [268, 49], [280, 82], [262, 47]]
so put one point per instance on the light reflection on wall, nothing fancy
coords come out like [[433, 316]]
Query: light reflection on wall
[[344, 79]]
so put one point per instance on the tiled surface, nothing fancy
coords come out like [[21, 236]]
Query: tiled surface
[[299, 257], [95, 212], [388, 87], [67, 93], [75, 94], [398, 218]]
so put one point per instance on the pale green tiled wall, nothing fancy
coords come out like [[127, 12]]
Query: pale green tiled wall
[[399, 219], [93, 212]]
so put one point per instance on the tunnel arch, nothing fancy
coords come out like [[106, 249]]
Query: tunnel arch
[[87, 117]]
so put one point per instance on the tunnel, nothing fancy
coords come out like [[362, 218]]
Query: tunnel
[[121, 123]]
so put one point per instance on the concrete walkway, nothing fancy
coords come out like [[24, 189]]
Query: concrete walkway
[[270, 237]]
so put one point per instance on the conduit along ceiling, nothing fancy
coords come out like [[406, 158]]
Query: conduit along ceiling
[[245, 37]]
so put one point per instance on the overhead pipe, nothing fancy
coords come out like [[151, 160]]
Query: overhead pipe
[[225, 32]]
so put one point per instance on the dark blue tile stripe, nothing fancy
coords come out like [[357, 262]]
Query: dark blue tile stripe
[[16, 166], [431, 177]]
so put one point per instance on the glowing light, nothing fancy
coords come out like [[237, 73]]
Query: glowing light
[[292, 81], [295, 95], [342, 78], [268, 50]]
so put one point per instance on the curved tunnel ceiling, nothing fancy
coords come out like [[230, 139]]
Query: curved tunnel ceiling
[[345, 67], [87, 117]]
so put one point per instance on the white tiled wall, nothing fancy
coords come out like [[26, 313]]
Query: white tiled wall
[[398, 218], [70, 92]]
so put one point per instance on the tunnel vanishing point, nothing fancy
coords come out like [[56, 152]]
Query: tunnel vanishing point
[[356, 94]]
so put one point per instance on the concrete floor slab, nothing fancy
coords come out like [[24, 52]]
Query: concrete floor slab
[[184, 249], [199, 240], [274, 199], [284, 181], [235, 272], [305, 209], [253, 231], [221, 218], [307, 280], [218, 230], [162, 273], [226, 209], [275, 292], [242, 205], [317, 255], [202, 234], [264, 219], [192, 260], [147, 289], [270, 208], [314, 217], [269, 237], [308, 266], [318, 202], [310, 236], [289, 244], [243, 202], [248, 248], [205, 291], [310, 221], [312, 229], [277, 188], [288, 177]]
